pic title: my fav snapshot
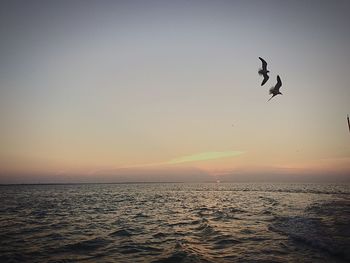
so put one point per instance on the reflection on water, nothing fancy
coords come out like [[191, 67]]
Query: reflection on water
[[175, 223]]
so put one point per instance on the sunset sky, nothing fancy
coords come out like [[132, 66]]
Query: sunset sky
[[115, 91]]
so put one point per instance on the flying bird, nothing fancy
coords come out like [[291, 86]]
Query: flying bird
[[348, 122], [263, 71], [276, 89]]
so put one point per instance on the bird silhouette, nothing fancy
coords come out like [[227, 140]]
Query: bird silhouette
[[276, 89], [263, 71], [348, 122]]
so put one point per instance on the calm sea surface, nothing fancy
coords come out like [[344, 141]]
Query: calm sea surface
[[175, 223]]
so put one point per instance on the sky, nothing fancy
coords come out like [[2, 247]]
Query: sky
[[117, 91]]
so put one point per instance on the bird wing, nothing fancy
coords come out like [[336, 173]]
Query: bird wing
[[264, 64], [349, 123], [266, 78], [279, 83]]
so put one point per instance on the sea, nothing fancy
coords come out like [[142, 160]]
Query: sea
[[175, 222]]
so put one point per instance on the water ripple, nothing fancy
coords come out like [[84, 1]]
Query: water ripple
[[175, 223]]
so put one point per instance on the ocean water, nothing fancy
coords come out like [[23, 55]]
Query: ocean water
[[218, 222]]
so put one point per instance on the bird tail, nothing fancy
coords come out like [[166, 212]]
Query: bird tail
[[270, 98]]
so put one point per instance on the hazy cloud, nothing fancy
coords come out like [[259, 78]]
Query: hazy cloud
[[204, 156]]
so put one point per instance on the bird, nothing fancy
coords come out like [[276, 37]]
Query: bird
[[348, 122], [276, 89], [263, 71]]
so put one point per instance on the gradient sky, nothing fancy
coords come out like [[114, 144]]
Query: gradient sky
[[169, 90]]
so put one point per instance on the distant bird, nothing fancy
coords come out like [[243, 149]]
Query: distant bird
[[348, 122], [263, 71], [276, 89]]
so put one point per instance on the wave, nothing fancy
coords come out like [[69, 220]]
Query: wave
[[183, 253], [313, 233], [121, 233], [87, 245]]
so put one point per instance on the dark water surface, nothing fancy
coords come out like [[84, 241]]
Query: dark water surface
[[175, 223]]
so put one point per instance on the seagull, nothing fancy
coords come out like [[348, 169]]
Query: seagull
[[263, 71], [276, 89], [348, 122]]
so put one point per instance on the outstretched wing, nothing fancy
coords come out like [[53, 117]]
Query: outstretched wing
[[264, 64], [279, 83], [266, 78]]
